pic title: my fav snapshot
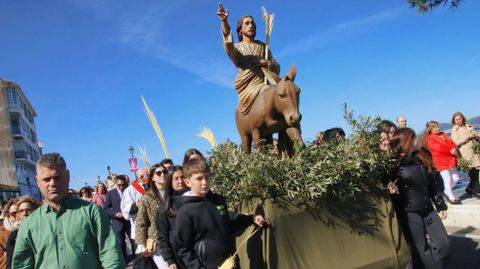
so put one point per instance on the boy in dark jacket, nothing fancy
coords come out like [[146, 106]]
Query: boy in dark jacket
[[204, 228]]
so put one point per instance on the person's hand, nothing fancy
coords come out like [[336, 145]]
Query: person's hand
[[147, 253], [262, 63], [443, 214], [119, 215], [222, 13], [453, 151], [259, 220], [256, 61], [172, 266], [392, 188]]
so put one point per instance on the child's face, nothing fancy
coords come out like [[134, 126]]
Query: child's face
[[199, 184]]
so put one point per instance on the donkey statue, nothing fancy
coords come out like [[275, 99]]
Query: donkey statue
[[275, 110]]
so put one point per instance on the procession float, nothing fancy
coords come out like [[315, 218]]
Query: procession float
[[326, 205]]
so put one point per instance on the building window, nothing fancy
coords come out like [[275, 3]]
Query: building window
[[12, 96]]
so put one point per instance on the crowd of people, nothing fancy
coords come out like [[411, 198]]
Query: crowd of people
[[169, 218], [426, 174]]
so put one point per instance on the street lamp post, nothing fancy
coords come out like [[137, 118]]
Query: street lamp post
[[108, 169], [131, 150]]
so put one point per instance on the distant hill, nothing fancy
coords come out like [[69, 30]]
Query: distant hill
[[475, 122]]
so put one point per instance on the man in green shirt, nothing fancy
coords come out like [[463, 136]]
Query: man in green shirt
[[65, 232]]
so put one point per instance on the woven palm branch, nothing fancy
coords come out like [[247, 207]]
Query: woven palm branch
[[207, 134], [268, 18], [229, 263], [156, 127]]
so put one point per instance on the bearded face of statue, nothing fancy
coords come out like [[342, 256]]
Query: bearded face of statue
[[248, 28]]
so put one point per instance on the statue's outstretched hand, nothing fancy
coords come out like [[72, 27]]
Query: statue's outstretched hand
[[222, 13]]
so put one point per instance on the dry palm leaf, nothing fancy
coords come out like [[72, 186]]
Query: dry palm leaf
[[156, 127], [207, 134], [229, 263]]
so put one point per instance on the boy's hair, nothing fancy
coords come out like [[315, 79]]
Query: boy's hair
[[52, 160], [195, 165]]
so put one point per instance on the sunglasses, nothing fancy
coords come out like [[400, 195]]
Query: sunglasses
[[162, 172], [13, 214]]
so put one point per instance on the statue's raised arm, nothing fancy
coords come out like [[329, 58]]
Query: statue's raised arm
[[223, 16], [248, 55]]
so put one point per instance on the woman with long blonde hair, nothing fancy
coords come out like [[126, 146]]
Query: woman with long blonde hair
[[464, 136], [25, 205]]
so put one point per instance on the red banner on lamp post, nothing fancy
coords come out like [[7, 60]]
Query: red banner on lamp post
[[133, 164]]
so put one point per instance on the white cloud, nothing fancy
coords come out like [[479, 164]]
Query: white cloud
[[146, 29], [323, 37]]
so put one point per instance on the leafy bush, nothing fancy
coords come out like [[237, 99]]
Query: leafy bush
[[464, 165], [340, 169], [476, 147]]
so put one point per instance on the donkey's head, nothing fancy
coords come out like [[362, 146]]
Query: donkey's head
[[286, 97]]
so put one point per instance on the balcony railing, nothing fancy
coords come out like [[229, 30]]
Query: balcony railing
[[16, 130], [21, 154]]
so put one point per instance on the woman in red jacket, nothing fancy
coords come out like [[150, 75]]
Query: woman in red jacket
[[444, 152]]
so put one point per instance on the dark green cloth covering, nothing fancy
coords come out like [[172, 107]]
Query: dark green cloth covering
[[362, 232]]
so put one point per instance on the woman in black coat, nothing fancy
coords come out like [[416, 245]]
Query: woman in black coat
[[418, 201], [166, 217]]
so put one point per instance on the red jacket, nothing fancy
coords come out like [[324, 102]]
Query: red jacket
[[440, 146]]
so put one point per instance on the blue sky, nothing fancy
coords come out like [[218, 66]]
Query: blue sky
[[85, 63]]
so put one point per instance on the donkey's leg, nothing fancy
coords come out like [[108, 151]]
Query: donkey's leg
[[257, 138], [295, 133], [246, 142], [283, 149]]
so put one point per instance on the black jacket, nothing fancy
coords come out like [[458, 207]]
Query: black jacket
[[205, 229], [12, 238], [111, 208], [417, 187], [166, 229]]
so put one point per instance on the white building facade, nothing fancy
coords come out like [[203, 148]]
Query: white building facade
[[24, 144]]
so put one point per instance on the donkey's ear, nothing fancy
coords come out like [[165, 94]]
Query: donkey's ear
[[271, 77], [292, 73]]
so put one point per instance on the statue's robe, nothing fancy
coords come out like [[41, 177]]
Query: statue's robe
[[250, 78]]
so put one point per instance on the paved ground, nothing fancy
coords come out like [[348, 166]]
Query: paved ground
[[465, 241], [465, 252]]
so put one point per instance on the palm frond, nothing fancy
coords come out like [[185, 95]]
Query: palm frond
[[207, 134], [156, 127]]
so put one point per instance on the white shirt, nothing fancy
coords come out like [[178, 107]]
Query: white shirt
[[129, 197]]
